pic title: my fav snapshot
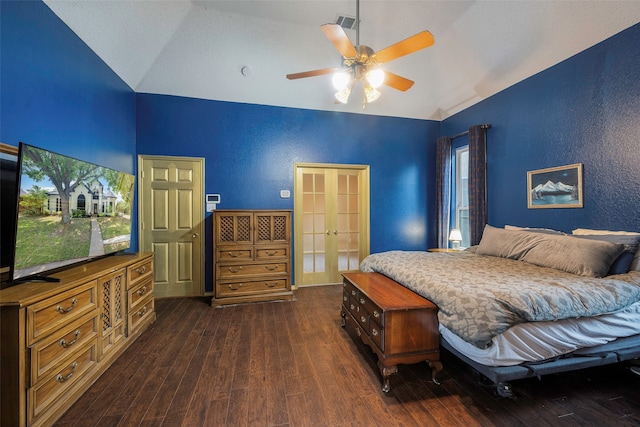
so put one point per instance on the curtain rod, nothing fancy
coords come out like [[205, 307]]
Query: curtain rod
[[466, 132]]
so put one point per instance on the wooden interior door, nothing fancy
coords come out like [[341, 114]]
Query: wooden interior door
[[331, 221], [171, 215]]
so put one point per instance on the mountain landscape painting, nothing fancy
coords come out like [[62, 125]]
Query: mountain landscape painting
[[559, 187]]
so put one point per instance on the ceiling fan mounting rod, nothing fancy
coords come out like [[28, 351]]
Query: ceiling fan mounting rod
[[357, 22]]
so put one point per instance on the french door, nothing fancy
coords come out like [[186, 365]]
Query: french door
[[331, 221]]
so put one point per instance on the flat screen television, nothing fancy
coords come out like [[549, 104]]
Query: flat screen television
[[68, 211]]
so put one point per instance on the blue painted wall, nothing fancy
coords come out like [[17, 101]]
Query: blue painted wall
[[586, 110], [57, 94], [250, 151]]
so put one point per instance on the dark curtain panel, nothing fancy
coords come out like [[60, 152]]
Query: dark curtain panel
[[477, 182], [443, 191]]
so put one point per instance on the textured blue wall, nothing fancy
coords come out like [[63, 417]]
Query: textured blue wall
[[586, 110], [250, 150], [57, 94]]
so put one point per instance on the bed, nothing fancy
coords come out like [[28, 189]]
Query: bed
[[527, 302]]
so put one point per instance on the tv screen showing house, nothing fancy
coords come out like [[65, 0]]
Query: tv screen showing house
[[69, 211]]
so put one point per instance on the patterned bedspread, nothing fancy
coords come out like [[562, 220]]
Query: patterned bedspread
[[480, 296]]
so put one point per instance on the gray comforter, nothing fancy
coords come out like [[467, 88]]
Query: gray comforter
[[480, 296]]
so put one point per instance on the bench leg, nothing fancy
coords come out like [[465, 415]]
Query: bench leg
[[436, 368], [386, 372]]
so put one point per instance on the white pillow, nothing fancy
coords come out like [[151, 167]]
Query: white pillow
[[635, 264]]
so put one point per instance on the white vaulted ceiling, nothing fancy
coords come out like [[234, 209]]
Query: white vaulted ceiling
[[198, 48]]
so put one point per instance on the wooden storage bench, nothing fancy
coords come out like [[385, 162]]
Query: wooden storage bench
[[398, 324]]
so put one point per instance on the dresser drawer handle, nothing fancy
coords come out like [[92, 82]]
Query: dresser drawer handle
[[65, 344], [374, 332], [141, 270], [234, 254], [61, 310], [235, 288], [234, 270], [142, 291], [363, 319], [353, 293], [271, 253], [271, 267], [376, 314], [362, 301], [352, 306], [344, 298], [143, 311], [271, 285], [62, 379]]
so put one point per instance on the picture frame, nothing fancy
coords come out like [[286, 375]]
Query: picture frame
[[558, 187]]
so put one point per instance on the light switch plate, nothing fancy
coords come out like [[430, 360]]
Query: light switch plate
[[285, 194]]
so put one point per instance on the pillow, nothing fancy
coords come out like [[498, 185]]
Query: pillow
[[591, 258], [622, 264], [635, 264], [536, 230]]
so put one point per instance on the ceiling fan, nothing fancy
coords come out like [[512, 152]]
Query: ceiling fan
[[360, 62]]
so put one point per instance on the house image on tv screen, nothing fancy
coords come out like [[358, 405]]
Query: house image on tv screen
[[90, 198]]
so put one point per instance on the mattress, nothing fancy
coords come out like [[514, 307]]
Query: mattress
[[539, 341]]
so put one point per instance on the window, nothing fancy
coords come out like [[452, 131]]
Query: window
[[461, 213]]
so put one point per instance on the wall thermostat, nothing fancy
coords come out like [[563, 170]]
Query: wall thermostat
[[212, 201]]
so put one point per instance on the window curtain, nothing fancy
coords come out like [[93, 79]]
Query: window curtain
[[443, 190], [477, 182]]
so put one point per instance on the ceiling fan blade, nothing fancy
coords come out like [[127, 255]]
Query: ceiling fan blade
[[335, 33], [397, 82], [405, 47], [311, 73]]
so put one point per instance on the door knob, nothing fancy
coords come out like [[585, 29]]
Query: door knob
[[194, 235]]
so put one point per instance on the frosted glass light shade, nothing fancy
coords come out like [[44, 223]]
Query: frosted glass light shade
[[341, 80], [371, 93], [375, 78], [343, 95]]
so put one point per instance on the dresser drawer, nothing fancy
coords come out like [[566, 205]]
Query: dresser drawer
[[373, 310], [144, 312], [139, 292], [236, 253], [251, 287], [376, 332], [227, 271], [54, 313], [47, 391], [50, 352], [139, 271], [278, 252]]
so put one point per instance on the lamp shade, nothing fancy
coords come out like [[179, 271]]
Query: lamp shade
[[455, 235]]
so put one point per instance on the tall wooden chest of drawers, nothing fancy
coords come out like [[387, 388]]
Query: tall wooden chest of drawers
[[252, 256], [399, 325]]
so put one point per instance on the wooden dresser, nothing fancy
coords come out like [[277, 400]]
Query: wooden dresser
[[399, 325], [252, 256], [58, 338]]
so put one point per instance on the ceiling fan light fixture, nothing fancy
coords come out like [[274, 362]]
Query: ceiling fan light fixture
[[341, 80], [371, 94], [375, 77], [343, 95]]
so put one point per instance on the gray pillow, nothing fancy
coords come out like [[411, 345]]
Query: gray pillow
[[584, 257], [622, 264]]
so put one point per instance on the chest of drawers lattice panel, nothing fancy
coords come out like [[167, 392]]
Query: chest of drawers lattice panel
[[252, 256]]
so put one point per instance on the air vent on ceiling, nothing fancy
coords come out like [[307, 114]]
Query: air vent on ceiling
[[346, 22]]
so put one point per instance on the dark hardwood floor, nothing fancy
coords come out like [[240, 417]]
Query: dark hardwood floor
[[291, 364]]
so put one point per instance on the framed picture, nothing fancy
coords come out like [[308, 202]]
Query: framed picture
[[559, 187]]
